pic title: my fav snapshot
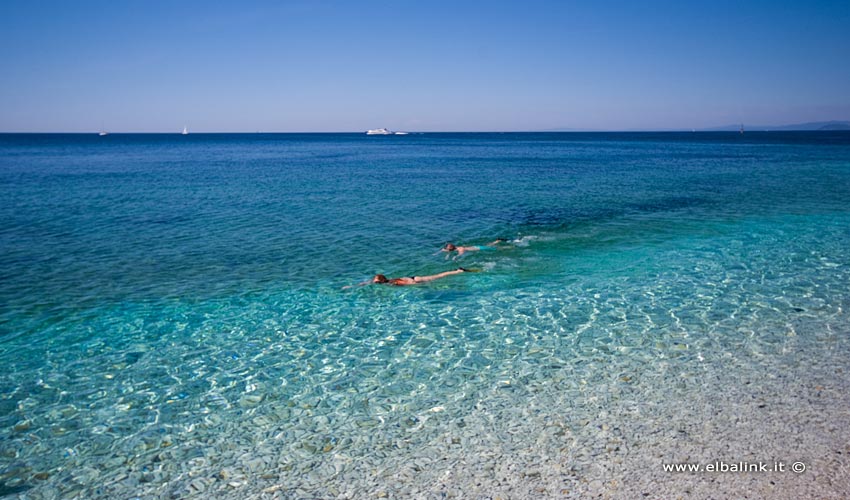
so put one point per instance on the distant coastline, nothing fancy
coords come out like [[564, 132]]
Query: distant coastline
[[809, 126], [831, 125]]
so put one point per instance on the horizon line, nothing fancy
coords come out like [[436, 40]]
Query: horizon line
[[771, 128]]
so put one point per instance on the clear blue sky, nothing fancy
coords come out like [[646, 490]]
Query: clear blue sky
[[312, 65]]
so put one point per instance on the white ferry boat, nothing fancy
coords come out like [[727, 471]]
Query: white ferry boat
[[378, 131]]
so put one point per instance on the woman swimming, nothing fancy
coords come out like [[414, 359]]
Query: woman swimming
[[380, 279]]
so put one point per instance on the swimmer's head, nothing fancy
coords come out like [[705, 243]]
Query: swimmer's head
[[380, 278], [450, 247]]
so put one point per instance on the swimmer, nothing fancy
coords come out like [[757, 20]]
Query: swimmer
[[380, 279], [451, 247]]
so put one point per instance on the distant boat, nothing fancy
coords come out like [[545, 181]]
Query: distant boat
[[401, 133], [103, 133], [378, 131], [185, 131]]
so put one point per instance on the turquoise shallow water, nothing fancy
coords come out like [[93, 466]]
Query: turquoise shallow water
[[173, 307]]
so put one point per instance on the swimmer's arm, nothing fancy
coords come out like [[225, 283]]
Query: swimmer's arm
[[362, 283]]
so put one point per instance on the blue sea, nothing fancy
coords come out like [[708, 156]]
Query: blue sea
[[177, 320]]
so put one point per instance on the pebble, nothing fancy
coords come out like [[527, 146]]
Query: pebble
[[272, 489], [255, 464], [262, 421], [22, 426], [250, 400], [198, 485]]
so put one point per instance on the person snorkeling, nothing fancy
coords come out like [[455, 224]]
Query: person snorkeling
[[380, 279], [451, 247]]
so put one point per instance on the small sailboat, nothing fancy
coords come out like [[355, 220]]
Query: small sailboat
[[185, 131], [103, 131], [742, 128]]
